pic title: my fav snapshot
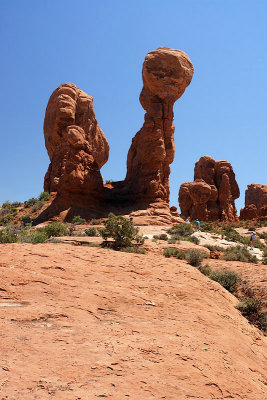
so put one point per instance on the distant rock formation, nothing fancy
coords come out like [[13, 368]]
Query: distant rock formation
[[255, 202], [212, 195], [77, 147]]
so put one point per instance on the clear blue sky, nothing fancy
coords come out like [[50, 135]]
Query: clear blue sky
[[100, 46]]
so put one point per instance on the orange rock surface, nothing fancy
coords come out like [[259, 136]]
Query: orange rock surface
[[213, 193], [89, 323], [255, 202]]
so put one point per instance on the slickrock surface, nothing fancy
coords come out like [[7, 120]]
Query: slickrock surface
[[255, 202], [88, 323], [77, 148], [213, 193]]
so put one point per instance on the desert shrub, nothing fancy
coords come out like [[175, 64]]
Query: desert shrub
[[162, 236], [181, 230], [30, 202], [9, 234], [228, 279], [38, 205], [33, 237], [108, 181], [238, 253], [56, 229], [133, 249], [16, 204], [121, 230], [194, 257], [44, 196], [77, 220], [6, 219], [214, 247], [172, 252], [205, 269], [251, 228], [206, 227], [252, 310], [4, 211], [26, 219], [232, 235], [172, 241], [96, 222], [91, 232], [194, 239]]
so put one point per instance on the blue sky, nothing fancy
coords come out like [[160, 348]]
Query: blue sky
[[100, 46]]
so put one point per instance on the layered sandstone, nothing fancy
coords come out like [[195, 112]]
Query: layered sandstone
[[255, 202], [212, 195], [77, 147]]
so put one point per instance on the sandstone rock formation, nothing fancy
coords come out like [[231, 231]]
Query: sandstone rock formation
[[78, 148], [76, 145], [255, 202], [212, 195]]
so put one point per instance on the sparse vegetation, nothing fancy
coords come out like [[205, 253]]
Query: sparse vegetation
[[122, 231], [228, 279], [91, 232], [252, 310], [162, 236], [238, 253], [26, 219], [214, 247], [172, 252], [194, 257], [205, 269], [44, 196], [29, 203], [77, 220], [96, 222], [181, 230], [133, 249], [56, 229]]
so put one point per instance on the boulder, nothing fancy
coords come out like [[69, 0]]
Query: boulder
[[255, 202], [212, 194]]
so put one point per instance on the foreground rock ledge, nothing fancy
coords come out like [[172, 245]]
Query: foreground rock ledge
[[78, 149], [96, 323]]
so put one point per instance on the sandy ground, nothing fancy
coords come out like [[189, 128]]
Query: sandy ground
[[89, 323]]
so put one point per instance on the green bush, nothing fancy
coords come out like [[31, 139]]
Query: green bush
[[96, 222], [55, 229], [91, 232], [172, 241], [206, 227], [181, 230], [108, 181], [194, 257], [4, 211], [133, 249], [30, 202], [172, 252], [214, 247], [251, 228], [26, 219], [248, 307], [33, 237], [121, 230], [6, 219], [228, 279], [9, 234], [77, 220], [194, 239], [162, 236], [205, 269], [38, 205], [238, 253], [44, 196]]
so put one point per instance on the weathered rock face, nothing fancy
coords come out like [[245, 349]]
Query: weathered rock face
[[166, 74], [255, 202], [78, 148], [212, 194], [76, 145]]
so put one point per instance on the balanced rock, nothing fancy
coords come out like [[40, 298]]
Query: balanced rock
[[212, 195], [255, 202]]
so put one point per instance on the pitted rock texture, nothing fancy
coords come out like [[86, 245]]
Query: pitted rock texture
[[76, 145], [212, 195], [255, 202], [78, 148]]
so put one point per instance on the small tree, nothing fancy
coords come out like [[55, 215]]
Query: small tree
[[121, 230]]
